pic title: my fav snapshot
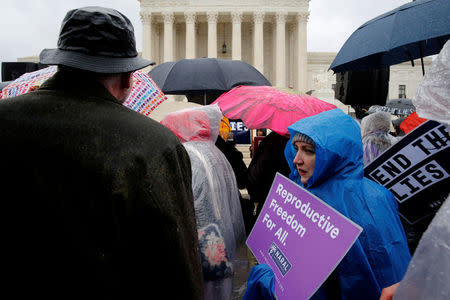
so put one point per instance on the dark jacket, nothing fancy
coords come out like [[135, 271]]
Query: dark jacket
[[236, 160], [96, 198], [267, 161]]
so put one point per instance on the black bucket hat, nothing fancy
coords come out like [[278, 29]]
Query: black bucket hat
[[96, 39]]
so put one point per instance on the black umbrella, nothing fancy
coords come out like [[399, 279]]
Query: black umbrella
[[197, 78], [413, 30]]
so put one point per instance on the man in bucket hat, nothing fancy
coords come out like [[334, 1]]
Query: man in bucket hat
[[96, 198]]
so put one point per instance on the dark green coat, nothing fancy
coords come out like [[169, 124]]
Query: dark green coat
[[96, 199]]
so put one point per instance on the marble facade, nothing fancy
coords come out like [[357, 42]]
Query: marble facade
[[268, 34]]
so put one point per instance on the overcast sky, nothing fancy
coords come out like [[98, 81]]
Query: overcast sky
[[28, 26]]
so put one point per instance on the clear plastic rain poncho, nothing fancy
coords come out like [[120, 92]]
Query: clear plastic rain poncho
[[217, 208], [428, 273], [375, 135], [432, 99]]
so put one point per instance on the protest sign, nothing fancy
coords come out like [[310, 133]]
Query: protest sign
[[416, 170], [240, 131], [300, 237]]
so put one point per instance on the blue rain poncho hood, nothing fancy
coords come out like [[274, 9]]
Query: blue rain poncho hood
[[380, 255], [260, 283]]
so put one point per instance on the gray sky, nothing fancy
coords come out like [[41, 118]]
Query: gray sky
[[28, 26]]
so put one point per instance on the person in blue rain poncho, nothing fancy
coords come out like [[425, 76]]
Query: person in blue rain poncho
[[329, 164]]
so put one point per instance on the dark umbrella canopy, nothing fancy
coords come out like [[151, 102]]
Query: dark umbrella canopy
[[205, 75], [413, 30]]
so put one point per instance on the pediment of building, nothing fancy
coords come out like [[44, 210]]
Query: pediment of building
[[198, 4]]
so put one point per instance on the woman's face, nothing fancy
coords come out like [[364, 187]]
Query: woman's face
[[304, 160]]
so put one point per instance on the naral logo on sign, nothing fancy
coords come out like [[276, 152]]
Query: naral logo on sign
[[280, 259]]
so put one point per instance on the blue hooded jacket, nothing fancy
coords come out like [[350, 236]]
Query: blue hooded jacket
[[380, 255]]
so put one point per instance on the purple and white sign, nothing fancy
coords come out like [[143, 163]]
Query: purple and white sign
[[301, 238]]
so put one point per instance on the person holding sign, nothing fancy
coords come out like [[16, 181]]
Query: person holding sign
[[325, 157]]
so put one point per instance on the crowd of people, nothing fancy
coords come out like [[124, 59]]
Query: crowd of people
[[102, 201]]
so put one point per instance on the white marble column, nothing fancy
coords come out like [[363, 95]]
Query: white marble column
[[302, 55], [236, 17], [290, 63], [157, 51], [258, 41], [168, 18], [190, 33], [147, 45], [280, 74], [212, 17]]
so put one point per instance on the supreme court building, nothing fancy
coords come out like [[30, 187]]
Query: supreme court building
[[268, 34], [271, 35]]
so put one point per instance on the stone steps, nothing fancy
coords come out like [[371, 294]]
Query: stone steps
[[245, 149]]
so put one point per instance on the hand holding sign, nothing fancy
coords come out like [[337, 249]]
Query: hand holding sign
[[301, 238]]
